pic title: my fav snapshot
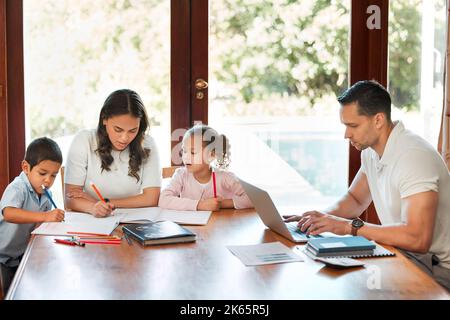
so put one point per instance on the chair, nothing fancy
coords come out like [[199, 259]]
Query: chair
[[61, 172], [167, 172]]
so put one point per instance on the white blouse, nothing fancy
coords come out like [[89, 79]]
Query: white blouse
[[83, 166]]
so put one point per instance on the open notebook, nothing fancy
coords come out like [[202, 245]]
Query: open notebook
[[83, 222], [137, 215]]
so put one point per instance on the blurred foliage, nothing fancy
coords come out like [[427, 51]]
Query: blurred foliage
[[78, 51], [267, 57], [279, 49], [267, 51], [405, 53]]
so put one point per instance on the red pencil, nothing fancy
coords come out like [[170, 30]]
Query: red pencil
[[214, 183], [67, 242]]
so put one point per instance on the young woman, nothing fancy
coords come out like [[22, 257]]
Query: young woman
[[118, 157]]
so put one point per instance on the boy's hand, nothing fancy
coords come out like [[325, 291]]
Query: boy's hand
[[101, 209], [212, 204], [56, 215]]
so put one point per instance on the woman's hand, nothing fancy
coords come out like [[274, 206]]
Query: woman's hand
[[100, 209]]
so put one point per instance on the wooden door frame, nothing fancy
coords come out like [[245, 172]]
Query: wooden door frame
[[12, 101], [368, 61], [189, 61]]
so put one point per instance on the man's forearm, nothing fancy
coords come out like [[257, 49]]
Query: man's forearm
[[398, 235], [347, 207]]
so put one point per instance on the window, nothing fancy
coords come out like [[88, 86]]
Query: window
[[76, 52], [275, 71], [417, 41]]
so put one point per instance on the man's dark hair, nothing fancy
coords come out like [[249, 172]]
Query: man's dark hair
[[42, 149], [370, 96]]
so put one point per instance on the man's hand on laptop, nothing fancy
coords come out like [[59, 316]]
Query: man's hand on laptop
[[315, 222]]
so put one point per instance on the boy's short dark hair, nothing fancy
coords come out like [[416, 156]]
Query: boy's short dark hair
[[370, 96], [42, 149]]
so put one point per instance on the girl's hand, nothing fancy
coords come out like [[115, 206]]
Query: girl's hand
[[56, 215], [101, 209], [212, 204]]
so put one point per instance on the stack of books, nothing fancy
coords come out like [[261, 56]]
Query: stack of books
[[340, 247]]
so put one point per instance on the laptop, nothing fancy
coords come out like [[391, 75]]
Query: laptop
[[271, 217]]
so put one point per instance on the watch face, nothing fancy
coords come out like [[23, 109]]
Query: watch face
[[357, 223]]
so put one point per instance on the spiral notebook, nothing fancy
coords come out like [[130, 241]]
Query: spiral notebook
[[379, 251]]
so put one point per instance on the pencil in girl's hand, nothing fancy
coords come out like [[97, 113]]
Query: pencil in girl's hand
[[214, 183]]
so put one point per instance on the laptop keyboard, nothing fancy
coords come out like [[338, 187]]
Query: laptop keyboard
[[297, 233]]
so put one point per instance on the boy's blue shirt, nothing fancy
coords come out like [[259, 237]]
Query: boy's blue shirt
[[14, 237]]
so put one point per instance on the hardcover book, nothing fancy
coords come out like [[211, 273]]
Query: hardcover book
[[160, 232]]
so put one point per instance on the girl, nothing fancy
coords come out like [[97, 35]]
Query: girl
[[191, 187]]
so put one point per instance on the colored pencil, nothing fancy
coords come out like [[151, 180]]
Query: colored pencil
[[128, 239], [214, 183], [97, 192], [100, 242], [97, 238], [48, 196], [67, 242], [88, 234]]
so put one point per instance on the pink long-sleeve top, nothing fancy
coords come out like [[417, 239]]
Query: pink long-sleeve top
[[184, 191]]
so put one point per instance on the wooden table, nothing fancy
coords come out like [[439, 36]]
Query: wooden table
[[206, 269]]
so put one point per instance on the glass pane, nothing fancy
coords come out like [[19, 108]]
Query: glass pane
[[79, 51], [417, 40], [275, 71]]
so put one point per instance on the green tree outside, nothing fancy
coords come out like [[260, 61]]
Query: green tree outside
[[269, 57]]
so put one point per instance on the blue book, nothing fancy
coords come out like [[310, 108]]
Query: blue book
[[341, 245]]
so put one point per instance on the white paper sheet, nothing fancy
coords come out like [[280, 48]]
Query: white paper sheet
[[84, 222], [130, 215], [265, 253], [78, 222]]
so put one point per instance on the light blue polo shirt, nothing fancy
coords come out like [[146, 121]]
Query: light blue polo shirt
[[14, 237]]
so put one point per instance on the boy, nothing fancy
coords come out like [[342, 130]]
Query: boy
[[25, 204]]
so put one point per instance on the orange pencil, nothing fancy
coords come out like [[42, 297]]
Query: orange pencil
[[86, 233], [97, 192]]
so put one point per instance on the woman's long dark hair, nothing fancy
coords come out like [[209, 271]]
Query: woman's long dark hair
[[118, 103]]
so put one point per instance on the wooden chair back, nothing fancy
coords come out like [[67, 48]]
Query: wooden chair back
[[167, 172]]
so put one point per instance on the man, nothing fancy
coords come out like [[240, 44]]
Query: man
[[402, 174]]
